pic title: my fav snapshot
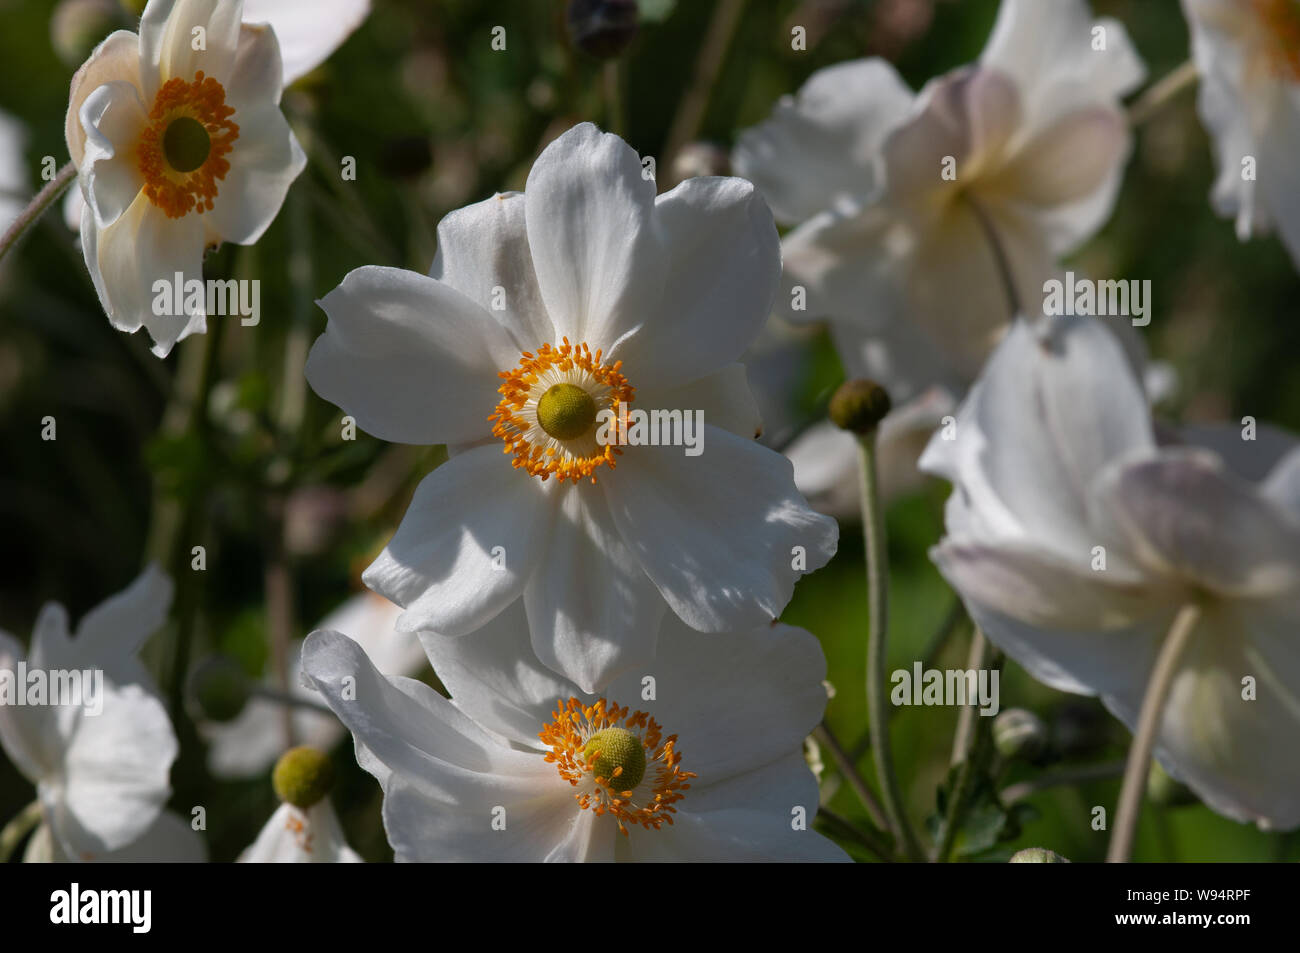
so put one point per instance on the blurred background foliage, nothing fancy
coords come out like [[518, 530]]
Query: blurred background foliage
[[435, 118]]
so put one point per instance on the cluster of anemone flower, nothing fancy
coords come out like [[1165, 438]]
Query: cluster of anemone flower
[[604, 621]]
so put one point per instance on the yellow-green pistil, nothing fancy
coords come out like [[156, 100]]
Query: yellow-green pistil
[[566, 412], [186, 144], [616, 748]]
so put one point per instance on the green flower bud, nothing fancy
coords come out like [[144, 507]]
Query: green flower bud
[[602, 28], [220, 689], [303, 776], [1037, 855], [859, 406], [1019, 734]]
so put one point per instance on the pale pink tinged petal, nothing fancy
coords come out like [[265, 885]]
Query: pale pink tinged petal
[[723, 398], [723, 265], [117, 58], [1184, 515], [170, 31], [1064, 163], [721, 548], [113, 118], [483, 253], [309, 31], [468, 544], [591, 226], [114, 774], [751, 818], [494, 676], [823, 142], [722, 734], [126, 261], [592, 610], [412, 359]]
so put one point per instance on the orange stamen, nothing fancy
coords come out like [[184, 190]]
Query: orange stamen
[[176, 193]]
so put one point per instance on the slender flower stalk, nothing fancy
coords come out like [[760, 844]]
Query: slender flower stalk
[[1092, 772], [1161, 93], [43, 200], [1144, 739], [18, 827], [845, 763], [873, 529]]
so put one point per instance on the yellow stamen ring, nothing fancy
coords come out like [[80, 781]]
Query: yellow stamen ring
[[182, 152], [548, 413], [592, 746]]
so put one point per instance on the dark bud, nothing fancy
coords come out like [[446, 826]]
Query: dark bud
[[602, 28], [220, 689], [859, 406]]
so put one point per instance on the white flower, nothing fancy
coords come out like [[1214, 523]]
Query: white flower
[[508, 769], [14, 189], [169, 840], [297, 836], [308, 30], [177, 149], [1074, 541], [1247, 53], [544, 308], [247, 746], [894, 193], [100, 766]]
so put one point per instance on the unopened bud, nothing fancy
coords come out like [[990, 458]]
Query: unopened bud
[[1037, 855], [220, 689], [1019, 734], [859, 406], [303, 776], [602, 28]]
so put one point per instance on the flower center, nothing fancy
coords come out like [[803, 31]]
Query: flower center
[[566, 411], [182, 151], [1281, 30], [550, 407], [619, 761]]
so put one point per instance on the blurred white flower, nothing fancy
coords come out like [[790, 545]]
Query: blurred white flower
[[1074, 541], [297, 836], [895, 194], [524, 766], [100, 766], [177, 150], [308, 30], [14, 189], [247, 746], [169, 840], [1247, 53], [545, 308]]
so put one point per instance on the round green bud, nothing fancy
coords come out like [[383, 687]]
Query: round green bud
[[1019, 734], [566, 411], [1037, 855], [859, 406], [78, 26], [616, 748], [1163, 789], [186, 144], [220, 689], [602, 28], [303, 776]]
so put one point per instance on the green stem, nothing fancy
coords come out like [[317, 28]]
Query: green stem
[[873, 531], [849, 770], [36, 208], [846, 828], [22, 824], [615, 113], [1138, 765], [1161, 93], [1093, 772]]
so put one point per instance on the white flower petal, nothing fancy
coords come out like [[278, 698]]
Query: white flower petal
[[1066, 162], [484, 247], [590, 217], [113, 632], [592, 610], [412, 359], [723, 397], [29, 734], [724, 259], [1278, 175], [295, 836], [441, 566], [112, 118], [117, 58], [168, 39], [720, 550], [822, 143], [308, 30], [169, 840]]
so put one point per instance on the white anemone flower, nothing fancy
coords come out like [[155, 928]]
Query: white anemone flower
[[896, 195], [178, 149], [1074, 541], [583, 295], [696, 757], [100, 764], [248, 745], [304, 829], [171, 839], [1247, 53]]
